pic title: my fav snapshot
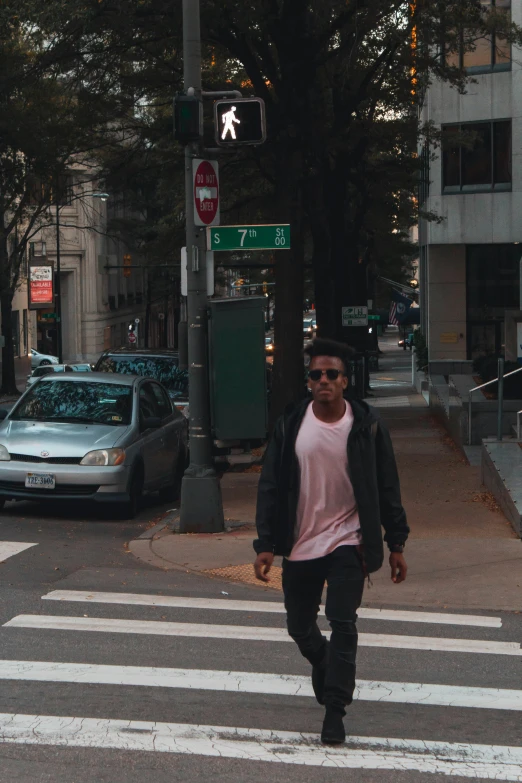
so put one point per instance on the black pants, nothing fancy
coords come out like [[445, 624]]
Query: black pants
[[303, 583]]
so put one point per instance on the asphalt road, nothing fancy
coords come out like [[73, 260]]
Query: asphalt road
[[117, 737]]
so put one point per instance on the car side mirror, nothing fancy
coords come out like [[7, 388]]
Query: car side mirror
[[151, 423], [3, 414]]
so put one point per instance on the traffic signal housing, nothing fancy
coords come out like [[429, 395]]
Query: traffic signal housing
[[239, 121], [188, 118]]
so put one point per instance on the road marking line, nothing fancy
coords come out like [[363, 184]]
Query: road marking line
[[281, 747], [181, 602], [201, 630], [10, 548], [257, 682]]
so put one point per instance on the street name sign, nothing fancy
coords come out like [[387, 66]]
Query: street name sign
[[268, 237], [355, 316], [206, 192]]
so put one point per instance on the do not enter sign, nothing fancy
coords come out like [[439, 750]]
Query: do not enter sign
[[206, 192]]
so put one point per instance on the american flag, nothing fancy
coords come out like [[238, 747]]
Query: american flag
[[392, 318], [399, 307]]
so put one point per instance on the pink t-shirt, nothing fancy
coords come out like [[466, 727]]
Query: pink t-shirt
[[327, 514]]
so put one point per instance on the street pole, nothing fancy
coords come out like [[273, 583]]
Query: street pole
[[201, 507], [58, 284]]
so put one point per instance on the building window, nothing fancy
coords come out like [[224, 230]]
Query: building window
[[476, 156], [64, 186], [487, 53]]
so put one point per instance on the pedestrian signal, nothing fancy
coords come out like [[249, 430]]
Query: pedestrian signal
[[239, 121]]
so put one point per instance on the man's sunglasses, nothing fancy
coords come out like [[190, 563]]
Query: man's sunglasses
[[331, 374]]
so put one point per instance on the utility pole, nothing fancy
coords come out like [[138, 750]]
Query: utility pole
[[201, 506], [58, 283]]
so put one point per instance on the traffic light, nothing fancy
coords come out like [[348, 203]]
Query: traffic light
[[239, 121], [188, 118], [127, 260]]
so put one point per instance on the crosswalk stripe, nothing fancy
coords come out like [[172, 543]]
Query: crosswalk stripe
[[283, 747], [10, 548], [182, 602], [200, 630], [257, 682]]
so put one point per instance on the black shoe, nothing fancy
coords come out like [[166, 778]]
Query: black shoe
[[333, 732], [319, 676]]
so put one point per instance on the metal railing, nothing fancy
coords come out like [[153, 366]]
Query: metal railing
[[500, 397], [518, 424]]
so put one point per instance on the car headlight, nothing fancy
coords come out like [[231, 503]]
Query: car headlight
[[104, 457], [4, 454]]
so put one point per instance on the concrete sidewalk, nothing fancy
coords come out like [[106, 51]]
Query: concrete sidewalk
[[462, 553], [22, 370]]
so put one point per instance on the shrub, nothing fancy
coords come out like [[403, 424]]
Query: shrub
[[421, 350]]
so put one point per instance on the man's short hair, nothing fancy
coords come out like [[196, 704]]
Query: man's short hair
[[323, 347]]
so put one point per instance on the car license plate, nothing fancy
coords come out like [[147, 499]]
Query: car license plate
[[41, 480]]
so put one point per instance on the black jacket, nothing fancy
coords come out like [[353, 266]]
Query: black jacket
[[374, 477]]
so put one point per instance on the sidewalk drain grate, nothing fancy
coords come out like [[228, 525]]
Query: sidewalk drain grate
[[245, 573]]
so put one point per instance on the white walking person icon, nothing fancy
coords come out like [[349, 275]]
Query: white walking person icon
[[228, 119]]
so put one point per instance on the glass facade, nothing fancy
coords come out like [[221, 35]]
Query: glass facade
[[493, 273]]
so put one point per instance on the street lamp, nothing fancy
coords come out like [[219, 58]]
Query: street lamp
[[58, 285]]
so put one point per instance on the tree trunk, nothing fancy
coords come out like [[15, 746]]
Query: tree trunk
[[147, 314], [8, 363], [324, 284], [288, 367], [6, 304]]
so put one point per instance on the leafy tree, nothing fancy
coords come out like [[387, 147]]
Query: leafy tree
[[342, 80]]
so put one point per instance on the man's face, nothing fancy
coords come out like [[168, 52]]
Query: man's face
[[324, 389]]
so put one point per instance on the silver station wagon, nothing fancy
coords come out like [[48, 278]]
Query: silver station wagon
[[100, 437]]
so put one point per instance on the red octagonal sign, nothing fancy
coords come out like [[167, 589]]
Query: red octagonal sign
[[206, 192]]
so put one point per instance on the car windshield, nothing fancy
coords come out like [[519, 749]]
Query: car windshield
[[69, 401], [47, 370], [164, 369]]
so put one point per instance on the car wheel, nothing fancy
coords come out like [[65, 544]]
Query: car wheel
[[44, 363], [131, 507], [173, 491]]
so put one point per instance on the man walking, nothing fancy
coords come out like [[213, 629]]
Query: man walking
[[329, 482]]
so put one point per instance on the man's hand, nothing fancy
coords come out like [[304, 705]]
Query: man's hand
[[399, 569], [262, 566]]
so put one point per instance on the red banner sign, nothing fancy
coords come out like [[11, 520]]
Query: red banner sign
[[41, 285]]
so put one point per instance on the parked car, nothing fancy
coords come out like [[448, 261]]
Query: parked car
[[269, 345], [309, 328], [47, 369], [103, 438], [162, 365], [38, 359]]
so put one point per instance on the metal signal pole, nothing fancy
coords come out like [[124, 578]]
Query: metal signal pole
[[201, 505]]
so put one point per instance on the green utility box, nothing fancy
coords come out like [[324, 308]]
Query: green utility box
[[238, 370]]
